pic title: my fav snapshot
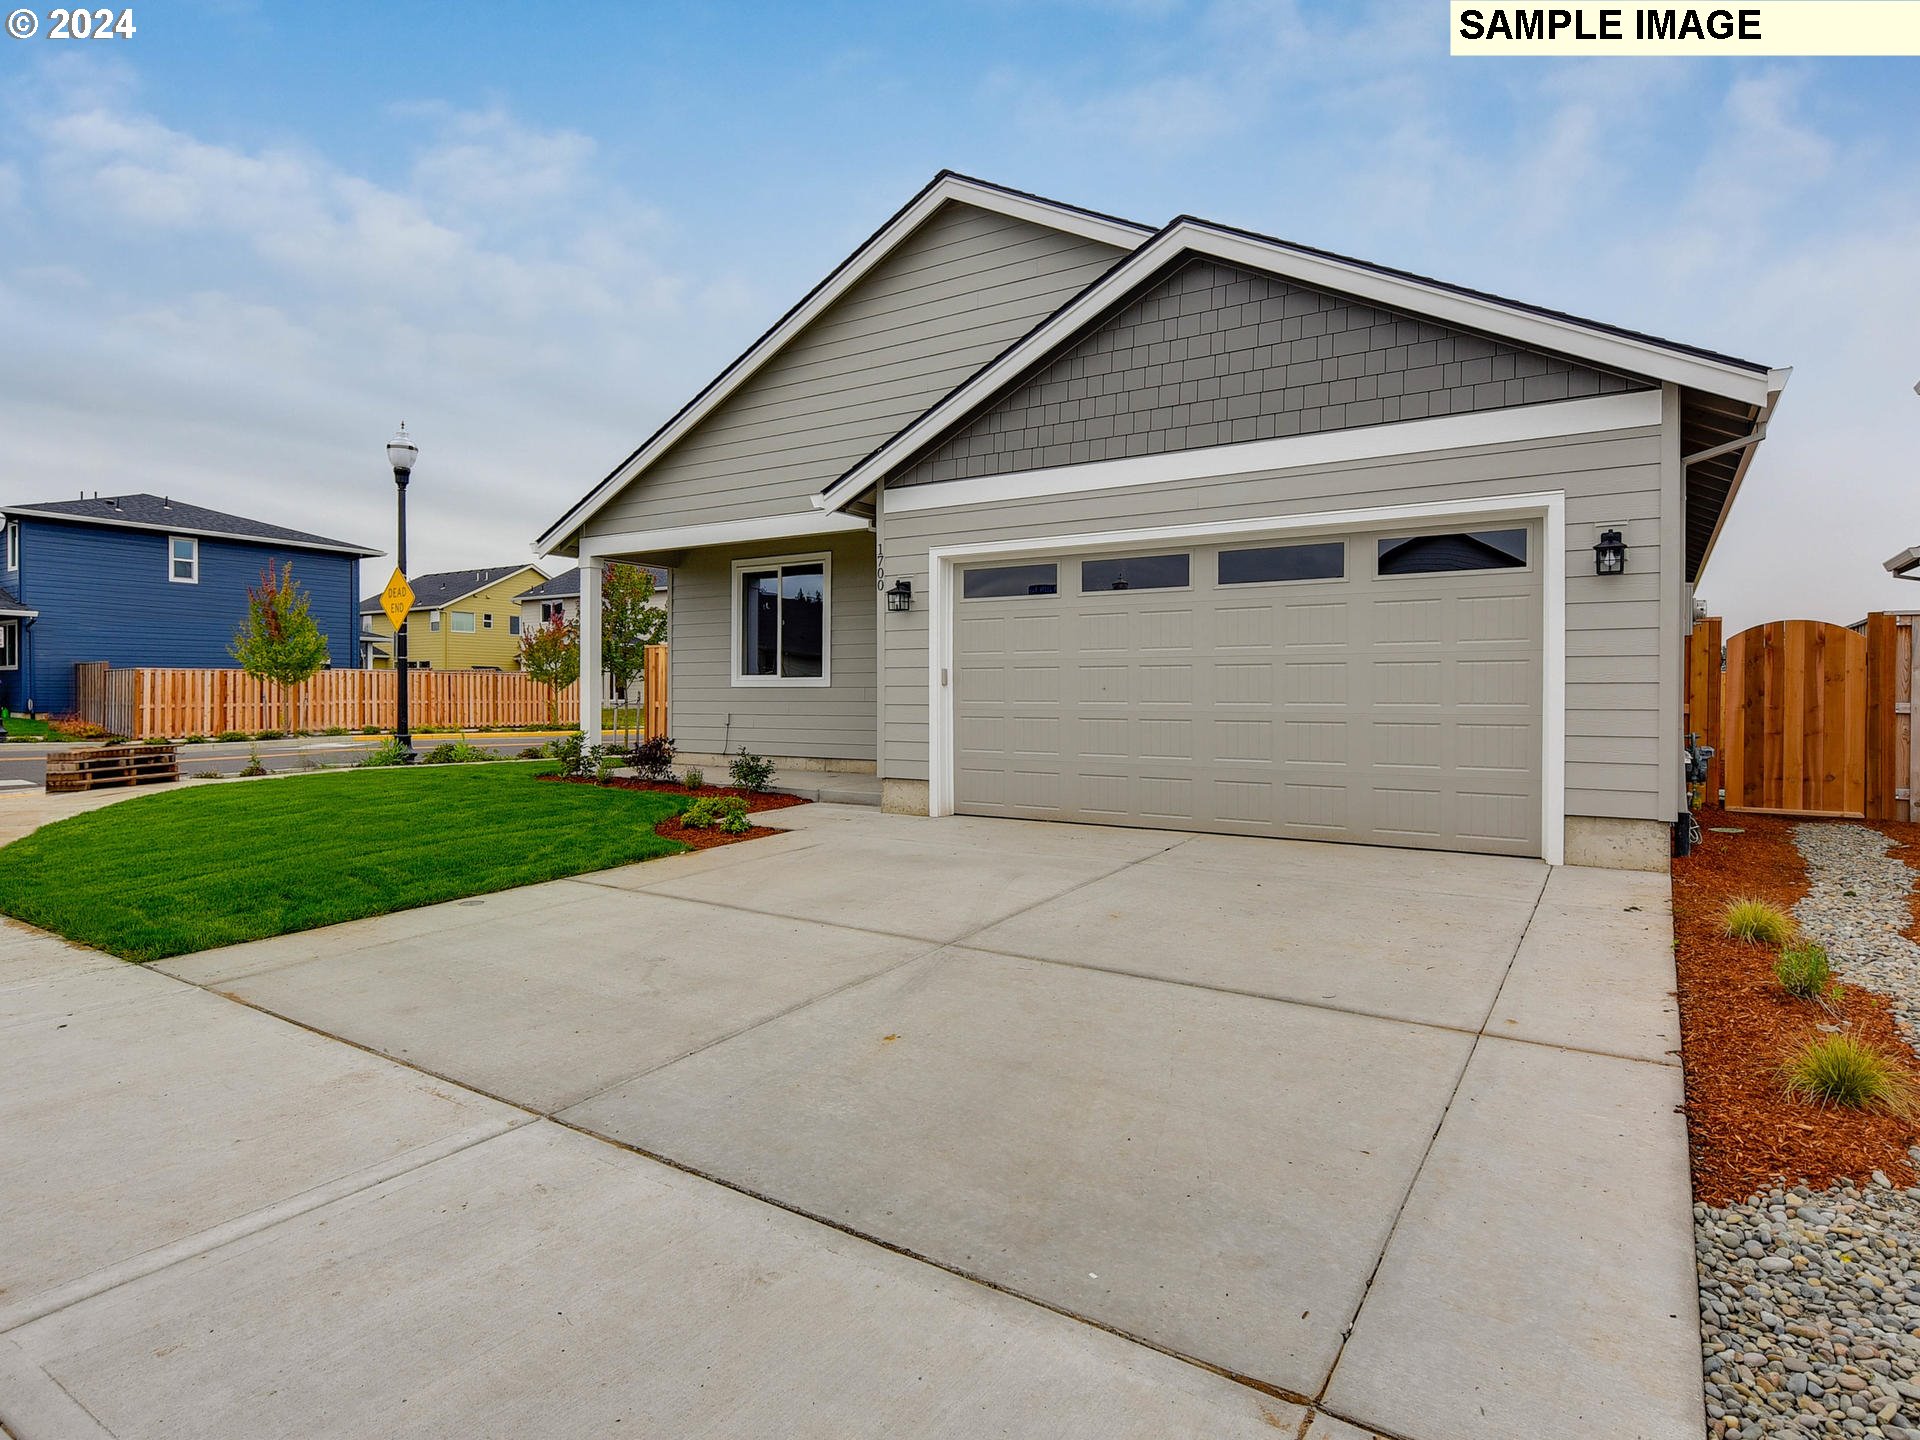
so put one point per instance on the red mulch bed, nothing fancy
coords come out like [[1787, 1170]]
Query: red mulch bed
[[1737, 1024], [672, 829]]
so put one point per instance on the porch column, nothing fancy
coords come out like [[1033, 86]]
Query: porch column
[[590, 667]]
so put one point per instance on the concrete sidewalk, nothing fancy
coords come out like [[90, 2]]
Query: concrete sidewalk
[[1390, 1135]]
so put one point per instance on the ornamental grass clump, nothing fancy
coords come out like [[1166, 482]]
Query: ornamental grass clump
[[1758, 922], [1835, 1070], [1803, 971]]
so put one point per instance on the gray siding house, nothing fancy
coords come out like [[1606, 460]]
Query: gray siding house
[[1036, 512]]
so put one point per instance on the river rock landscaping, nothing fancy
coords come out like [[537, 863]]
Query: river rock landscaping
[[1807, 1226]]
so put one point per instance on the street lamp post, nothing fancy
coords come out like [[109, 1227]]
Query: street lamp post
[[401, 453]]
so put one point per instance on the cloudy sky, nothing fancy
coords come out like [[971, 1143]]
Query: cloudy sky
[[236, 248]]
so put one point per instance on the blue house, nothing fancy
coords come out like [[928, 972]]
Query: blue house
[[149, 580]]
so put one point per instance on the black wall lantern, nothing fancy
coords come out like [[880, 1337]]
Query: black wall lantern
[[1609, 554], [900, 596]]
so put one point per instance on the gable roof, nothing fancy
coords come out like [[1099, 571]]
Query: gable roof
[[10, 604], [566, 585], [177, 517], [1744, 382], [443, 587], [945, 186]]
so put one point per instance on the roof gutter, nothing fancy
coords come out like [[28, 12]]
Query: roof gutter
[[1747, 445]]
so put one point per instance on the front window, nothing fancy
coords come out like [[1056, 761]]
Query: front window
[[9, 644], [462, 622], [781, 623], [551, 608], [513, 624], [486, 621], [433, 621], [183, 560]]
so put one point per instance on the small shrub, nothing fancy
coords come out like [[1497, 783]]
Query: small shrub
[[531, 752], [1844, 1070], [369, 729], [271, 735], [695, 778], [387, 752], [725, 813], [253, 767], [72, 727], [751, 772], [652, 758], [455, 752], [335, 730], [207, 775], [231, 735], [1803, 971], [193, 739], [1757, 922]]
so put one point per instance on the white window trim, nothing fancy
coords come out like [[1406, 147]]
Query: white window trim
[[13, 545], [433, 622], [193, 579], [1547, 507], [454, 629], [799, 682], [12, 627]]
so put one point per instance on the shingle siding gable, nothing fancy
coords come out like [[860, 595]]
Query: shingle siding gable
[[1211, 354]]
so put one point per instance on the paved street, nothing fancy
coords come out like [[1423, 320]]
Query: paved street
[[22, 764]]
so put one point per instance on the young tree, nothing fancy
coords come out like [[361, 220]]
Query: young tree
[[551, 655], [279, 640], [629, 622]]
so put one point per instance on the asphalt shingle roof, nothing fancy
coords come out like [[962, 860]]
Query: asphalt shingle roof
[[430, 592], [10, 603], [566, 585], [160, 512]]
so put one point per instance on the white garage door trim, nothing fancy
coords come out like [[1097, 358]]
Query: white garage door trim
[[1549, 508]]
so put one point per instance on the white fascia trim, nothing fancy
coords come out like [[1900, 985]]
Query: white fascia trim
[[1119, 233], [1549, 507], [326, 545], [719, 532], [1516, 424], [1602, 348]]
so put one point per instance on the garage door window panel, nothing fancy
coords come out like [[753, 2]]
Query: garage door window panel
[[1457, 551], [1136, 572], [781, 621], [1002, 582], [1284, 564]]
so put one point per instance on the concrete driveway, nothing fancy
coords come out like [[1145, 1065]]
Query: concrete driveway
[[917, 1127]]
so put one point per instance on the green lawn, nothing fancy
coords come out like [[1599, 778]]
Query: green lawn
[[172, 873]]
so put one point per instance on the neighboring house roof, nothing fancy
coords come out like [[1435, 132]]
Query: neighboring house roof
[[10, 604], [946, 186], [177, 517], [1903, 565], [566, 586], [443, 587], [1734, 395]]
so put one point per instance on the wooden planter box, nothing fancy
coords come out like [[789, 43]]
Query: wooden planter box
[[111, 765]]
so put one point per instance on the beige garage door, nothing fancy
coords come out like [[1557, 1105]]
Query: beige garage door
[[1382, 687]]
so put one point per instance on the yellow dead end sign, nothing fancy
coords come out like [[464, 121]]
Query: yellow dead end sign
[[397, 599]]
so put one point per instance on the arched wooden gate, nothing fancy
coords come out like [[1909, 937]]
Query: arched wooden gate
[[1795, 724]]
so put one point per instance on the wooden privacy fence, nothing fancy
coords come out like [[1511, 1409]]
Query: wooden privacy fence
[[143, 701], [1807, 718], [653, 680]]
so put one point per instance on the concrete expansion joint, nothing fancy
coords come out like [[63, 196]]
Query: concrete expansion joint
[[1433, 1137]]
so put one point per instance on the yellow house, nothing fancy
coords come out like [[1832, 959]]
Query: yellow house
[[461, 620]]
